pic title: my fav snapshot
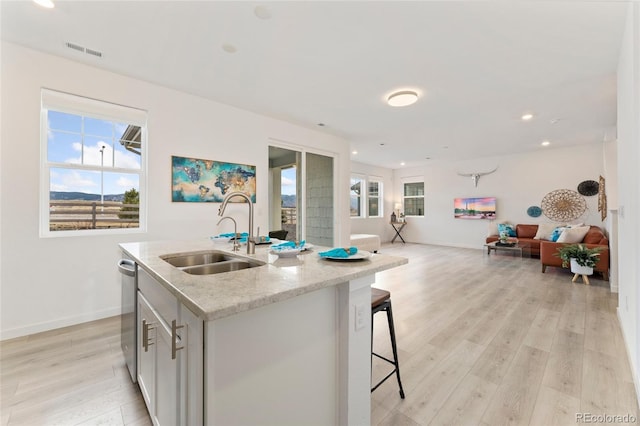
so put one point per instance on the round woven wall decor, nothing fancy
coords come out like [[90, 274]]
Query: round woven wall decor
[[588, 188], [563, 205]]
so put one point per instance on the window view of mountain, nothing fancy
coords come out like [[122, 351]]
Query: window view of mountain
[[58, 195], [288, 200]]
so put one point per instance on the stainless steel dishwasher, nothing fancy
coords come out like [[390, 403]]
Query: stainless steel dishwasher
[[128, 334]]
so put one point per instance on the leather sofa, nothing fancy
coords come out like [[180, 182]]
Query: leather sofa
[[594, 238], [546, 249], [524, 234]]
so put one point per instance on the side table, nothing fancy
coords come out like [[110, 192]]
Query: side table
[[397, 227]]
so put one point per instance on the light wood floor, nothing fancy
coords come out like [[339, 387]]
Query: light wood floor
[[70, 376], [482, 340], [490, 340]]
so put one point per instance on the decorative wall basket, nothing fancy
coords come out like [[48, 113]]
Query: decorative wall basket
[[588, 188], [563, 205], [602, 200], [534, 211]]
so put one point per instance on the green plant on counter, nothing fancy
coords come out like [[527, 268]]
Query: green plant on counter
[[583, 255]]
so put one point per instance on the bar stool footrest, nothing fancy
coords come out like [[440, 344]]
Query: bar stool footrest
[[383, 380]]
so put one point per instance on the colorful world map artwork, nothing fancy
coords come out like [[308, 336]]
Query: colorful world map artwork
[[196, 180]]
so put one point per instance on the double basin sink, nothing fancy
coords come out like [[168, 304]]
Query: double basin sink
[[210, 262]]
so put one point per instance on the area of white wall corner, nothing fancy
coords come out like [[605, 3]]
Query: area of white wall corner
[[521, 181], [54, 282], [628, 202]]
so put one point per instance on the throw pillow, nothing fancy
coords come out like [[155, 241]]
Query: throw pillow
[[508, 228], [544, 231], [555, 234], [573, 235]]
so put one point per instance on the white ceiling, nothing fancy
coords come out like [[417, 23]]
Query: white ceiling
[[478, 65]]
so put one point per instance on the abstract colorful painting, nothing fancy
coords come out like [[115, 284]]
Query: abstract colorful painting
[[474, 208], [196, 180]]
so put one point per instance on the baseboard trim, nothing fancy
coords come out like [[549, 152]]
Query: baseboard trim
[[60, 323]]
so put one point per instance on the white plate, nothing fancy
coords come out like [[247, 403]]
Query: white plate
[[286, 251], [220, 240], [360, 255]]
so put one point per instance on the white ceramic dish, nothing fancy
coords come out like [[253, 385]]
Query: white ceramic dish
[[360, 255], [220, 240], [285, 251]]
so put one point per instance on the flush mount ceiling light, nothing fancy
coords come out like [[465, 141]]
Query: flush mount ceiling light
[[526, 117], [45, 3], [402, 98], [545, 143]]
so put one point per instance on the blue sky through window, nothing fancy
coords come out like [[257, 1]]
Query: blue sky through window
[[288, 182], [87, 141]]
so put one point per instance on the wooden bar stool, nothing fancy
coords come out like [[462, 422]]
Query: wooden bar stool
[[381, 301]]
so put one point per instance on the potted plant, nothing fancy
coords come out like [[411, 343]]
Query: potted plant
[[581, 258]]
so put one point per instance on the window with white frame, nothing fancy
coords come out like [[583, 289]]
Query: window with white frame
[[374, 197], [92, 174], [356, 196], [413, 198], [365, 196]]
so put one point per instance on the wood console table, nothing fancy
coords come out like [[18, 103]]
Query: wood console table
[[398, 226]]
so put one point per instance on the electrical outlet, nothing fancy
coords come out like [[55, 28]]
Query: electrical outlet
[[361, 316]]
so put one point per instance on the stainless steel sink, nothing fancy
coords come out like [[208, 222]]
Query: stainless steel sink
[[209, 262]]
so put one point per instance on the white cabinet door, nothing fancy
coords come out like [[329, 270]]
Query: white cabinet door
[[192, 379], [170, 361], [158, 372], [147, 325], [167, 380]]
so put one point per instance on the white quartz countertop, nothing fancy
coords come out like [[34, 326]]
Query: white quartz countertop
[[217, 296]]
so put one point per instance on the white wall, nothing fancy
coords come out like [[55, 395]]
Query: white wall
[[521, 181], [376, 225], [629, 189], [53, 282]]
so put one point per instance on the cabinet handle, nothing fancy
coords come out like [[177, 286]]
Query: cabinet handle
[[145, 335], [174, 337]]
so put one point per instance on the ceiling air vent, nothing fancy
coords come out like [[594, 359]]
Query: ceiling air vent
[[83, 49], [94, 52], [74, 47]]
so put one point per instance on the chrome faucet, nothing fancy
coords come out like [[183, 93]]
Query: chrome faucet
[[236, 244], [251, 244]]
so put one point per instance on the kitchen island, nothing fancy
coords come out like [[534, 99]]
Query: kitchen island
[[287, 342]]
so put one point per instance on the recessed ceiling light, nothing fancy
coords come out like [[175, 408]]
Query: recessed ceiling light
[[229, 48], [402, 98], [526, 117], [545, 143], [45, 3], [354, 152], [402, 164], [262, 12]]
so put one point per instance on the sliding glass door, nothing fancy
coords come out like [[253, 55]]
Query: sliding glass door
[[301, 195]]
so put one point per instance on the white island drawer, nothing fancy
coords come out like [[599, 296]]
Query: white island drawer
[[164, 303]]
